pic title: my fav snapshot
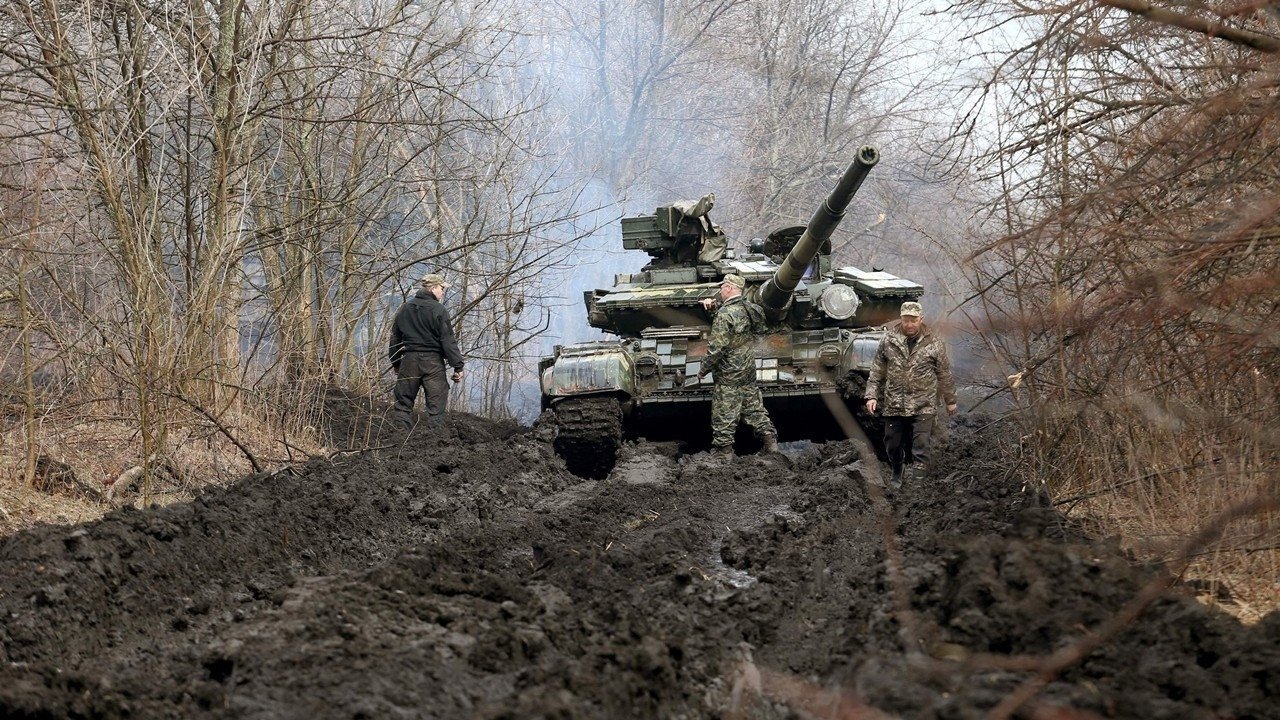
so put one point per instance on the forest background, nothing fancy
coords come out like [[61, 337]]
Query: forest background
[[209, 211]]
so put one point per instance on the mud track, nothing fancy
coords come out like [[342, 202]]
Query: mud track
[[468, 574]]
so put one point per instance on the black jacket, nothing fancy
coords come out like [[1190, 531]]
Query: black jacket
[[422, 325]]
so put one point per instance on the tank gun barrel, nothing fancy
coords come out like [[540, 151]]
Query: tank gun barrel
[[776, 293]]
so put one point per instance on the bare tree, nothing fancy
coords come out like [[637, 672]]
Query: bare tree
[[644, 81], [231, 195], [1130, 159]]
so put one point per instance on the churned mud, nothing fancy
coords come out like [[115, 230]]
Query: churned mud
[[466, 573]]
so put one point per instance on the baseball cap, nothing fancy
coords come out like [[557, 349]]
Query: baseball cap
[[911, 308], [434, 279], [734, 280]]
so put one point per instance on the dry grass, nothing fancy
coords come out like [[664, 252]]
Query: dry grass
[[1155, 489], [24, 506], [100, 450], [1240, 574]]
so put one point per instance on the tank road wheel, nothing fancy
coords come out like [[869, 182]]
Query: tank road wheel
[[588, 433]]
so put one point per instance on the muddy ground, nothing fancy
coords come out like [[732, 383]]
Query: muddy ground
[[467, 574]]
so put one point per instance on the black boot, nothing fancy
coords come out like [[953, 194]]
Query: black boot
[[895, 480]]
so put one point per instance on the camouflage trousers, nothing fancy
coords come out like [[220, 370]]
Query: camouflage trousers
[[731, 403]]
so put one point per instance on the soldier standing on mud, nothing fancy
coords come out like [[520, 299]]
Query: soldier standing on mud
[[731, 357], [421, 343], [910, 369]]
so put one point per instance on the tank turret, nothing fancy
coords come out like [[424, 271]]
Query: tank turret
[[677, 235], [823, 329]]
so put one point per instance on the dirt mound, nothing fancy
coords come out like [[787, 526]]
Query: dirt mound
[[465, 573]]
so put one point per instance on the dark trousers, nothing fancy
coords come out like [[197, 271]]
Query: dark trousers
[[908, 440], [425, 371]]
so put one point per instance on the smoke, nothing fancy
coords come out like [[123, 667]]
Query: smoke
[[762, 103]]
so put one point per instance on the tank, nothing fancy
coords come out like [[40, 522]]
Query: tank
[[812, 364]]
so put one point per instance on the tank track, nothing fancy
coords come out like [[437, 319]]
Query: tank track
[[588, 434], [853, 387]]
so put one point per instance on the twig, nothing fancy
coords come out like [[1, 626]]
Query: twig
[[1212, 28], [6, 514], [990, 395], [358, 451], [1148, 476], [1051, 666], [1085, 496], [290, 446], [253, 461], [1244, 8], [1245, 550], [1032, 366], [998, 419]]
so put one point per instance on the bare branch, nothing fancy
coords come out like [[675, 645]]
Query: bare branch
[[1211, 28]]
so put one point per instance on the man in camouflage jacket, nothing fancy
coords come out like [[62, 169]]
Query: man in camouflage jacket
[[731, 357], [910, 369]]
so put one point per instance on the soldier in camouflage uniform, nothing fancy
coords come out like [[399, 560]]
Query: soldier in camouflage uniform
[[910, 369], [731, 357]]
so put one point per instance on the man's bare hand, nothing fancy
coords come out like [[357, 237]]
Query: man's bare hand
[[871, 406], [708, 303], [952, 409], [457, 376]]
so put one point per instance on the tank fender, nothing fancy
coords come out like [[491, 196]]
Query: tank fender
[[590, 373], [861, 352]]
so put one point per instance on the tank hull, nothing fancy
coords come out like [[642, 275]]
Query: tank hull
[[816, 414], [605, 392]]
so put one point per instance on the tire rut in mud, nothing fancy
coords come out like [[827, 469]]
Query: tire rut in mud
[[468, 574]]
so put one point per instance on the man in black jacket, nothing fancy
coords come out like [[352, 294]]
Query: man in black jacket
[[421, 343]]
